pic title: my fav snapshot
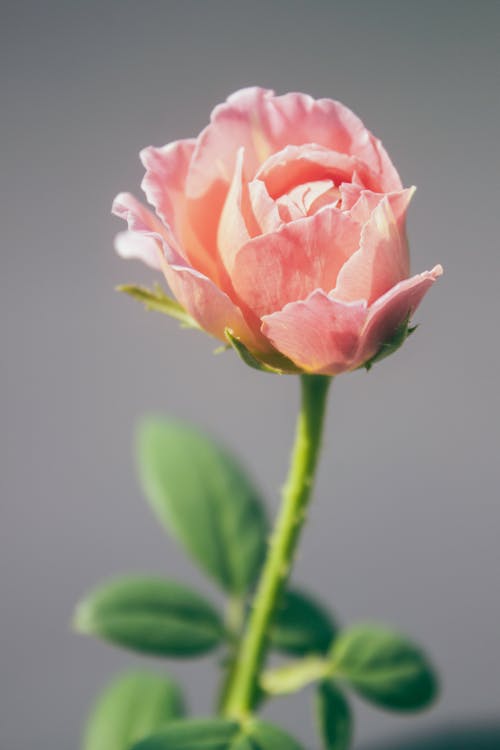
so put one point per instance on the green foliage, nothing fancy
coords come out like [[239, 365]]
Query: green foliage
[[385, 668], [333, 716], [280, 364], [152, 616], [397, 340], [218, 734], [265, 736], [156, 299], [130, 708], [293, 677], [204, 498], [194, 734], [302, 626]]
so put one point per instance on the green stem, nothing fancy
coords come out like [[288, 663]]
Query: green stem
[[243, 691], [235, 618]]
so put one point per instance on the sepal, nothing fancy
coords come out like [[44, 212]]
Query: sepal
[[275, 363], [402, 332], [156, 299]]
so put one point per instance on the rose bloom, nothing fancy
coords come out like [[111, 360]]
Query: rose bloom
[[282, 223]]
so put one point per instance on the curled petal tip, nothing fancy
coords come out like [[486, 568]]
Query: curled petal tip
[[119, 204], [437, 271]]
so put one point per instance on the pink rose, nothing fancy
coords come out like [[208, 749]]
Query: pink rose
[[284, 222]]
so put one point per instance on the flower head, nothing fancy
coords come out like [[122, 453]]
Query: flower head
[[281, 227]]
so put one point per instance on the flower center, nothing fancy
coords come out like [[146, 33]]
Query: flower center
[[306, 199]]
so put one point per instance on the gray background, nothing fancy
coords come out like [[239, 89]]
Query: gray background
[[405, 524]]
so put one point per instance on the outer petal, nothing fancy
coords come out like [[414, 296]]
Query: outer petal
[[388, 312], [381, 261], [240, 121], [136, 246], [205, 302], [165, 186], [236, 123], [318, 334], [274, 269], [142, 241], [165, 180]]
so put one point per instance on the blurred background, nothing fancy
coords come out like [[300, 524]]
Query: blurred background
[[406, 521]]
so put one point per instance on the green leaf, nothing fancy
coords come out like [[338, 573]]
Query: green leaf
[[302, 626], [152, 616], [130, 708], [280, 365], [402, 332], [265, 736], [218, 734], [385, 668], [194, 734], [293, 677], [156, 299], [204, 498], [334, 718]]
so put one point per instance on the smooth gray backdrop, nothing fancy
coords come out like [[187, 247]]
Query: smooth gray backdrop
[[406, 520]]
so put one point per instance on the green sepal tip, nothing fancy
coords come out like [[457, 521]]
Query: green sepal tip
[[281, 365], [156, 299], [395, 342]]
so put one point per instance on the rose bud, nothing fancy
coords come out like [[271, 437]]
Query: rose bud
[[281, 228]]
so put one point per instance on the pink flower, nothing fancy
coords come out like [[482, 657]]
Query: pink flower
[[282, 223]]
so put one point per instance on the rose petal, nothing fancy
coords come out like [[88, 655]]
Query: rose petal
[[264, 124], [285, 266], [138, 217], [301, 119], [204, 301], [142, 241], [295, 165], [233, 124], [392, 309], [319, 334], [237, 224], [319, 194], [349, 193], [381, 261], [240, 121], [135, 246], [165, 186], [264, 208], [367, 201], [165, 180], [311, 196]]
